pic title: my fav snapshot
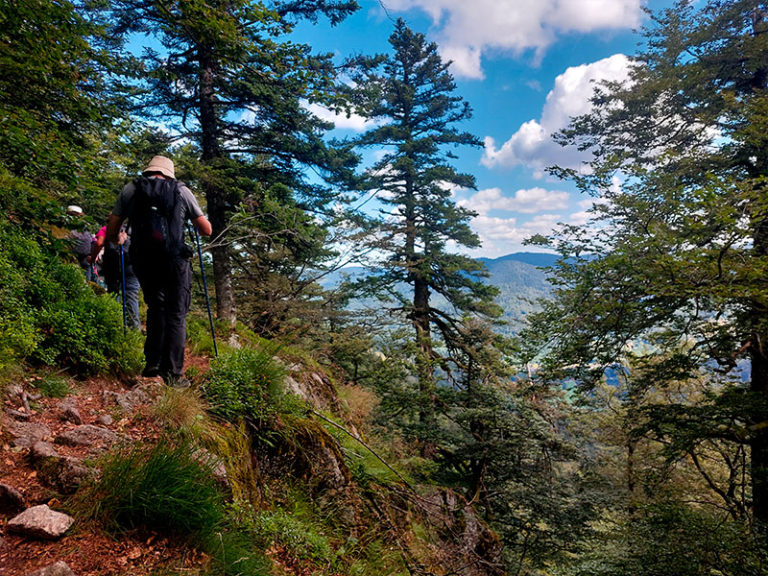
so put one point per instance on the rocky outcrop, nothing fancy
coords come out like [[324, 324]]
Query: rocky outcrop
[[26, 434], [313, 386], [63, 473], [41, 522]]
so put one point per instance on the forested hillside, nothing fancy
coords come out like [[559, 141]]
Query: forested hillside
[[605, 416]]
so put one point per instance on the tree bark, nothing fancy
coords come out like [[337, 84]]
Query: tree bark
[[209, 126]]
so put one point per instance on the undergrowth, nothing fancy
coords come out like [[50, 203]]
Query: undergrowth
[[159, 487], [245, 383], [50, 316]]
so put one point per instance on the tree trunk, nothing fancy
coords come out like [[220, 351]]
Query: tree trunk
[[759, 345], [759, 437], [419, 315], [222, 265], [759, 386]]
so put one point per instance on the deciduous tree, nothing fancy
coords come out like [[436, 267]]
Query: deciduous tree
[[677, 259]]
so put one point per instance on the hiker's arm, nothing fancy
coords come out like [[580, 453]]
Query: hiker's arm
[[202, 225], [113, 228], [96, 247]]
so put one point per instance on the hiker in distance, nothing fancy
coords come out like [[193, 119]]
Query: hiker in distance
[[157, 207], [81, 242], [118, 273]]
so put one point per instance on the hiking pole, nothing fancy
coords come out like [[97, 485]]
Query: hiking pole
[[122, 276], [205, 290]]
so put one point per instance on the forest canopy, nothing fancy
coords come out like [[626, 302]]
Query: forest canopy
[[622, 430]]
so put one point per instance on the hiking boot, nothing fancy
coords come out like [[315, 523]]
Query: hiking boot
[[177, 381], [151, 371]]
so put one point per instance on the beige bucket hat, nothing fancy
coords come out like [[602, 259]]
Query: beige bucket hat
[[161, 164]]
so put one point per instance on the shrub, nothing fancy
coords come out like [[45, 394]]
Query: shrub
[[244, 384], [49, 315]]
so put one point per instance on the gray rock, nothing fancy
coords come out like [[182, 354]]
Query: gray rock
[[65, 474], [58, 569], [105, 419], [216, 465], [87, 435], [14, 391], [17, 414], [69, 412], [41, 522], [11, 500], [41, 450], [26, 434], [127, 400]]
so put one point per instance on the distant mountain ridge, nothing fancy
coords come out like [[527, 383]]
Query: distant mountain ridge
[[519, 278], [521, 282]]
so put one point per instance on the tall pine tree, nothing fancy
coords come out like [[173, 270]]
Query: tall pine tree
[[410, 94], [228, 78]]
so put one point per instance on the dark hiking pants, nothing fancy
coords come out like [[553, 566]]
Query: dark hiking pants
[[166, 287]]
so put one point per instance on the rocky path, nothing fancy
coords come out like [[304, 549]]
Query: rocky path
[[48, 448]]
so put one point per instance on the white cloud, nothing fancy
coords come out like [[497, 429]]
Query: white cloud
[[468, 29], [502, 236], [529, 201], [353, 122], [532, 144]]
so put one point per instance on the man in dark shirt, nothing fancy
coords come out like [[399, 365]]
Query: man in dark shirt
[[165, 281]]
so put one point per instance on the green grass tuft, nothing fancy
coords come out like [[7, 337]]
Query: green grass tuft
[[162, 487]]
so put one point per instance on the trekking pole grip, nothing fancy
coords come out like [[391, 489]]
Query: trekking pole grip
[[205, 290]]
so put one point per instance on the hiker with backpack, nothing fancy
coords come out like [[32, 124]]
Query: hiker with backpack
[[118, 273], [81, 242], [157, 207]]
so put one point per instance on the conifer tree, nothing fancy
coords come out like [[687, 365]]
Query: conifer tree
[[229, 79], [678, 259], [410, 95]]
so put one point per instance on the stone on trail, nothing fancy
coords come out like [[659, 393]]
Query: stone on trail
[[11, 499], [26, 434], [69, 412], [41, 522], [58, 569], [87, 435]]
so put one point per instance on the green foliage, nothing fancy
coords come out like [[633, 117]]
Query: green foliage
[[250, 63], [49, 315], [411, 94], [233, 553], [245, 383], [52, 385], [665, 285], [160, 487], [199, 338], [667, 539], [299, 535]]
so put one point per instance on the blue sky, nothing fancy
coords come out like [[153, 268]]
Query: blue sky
[[525, 67]]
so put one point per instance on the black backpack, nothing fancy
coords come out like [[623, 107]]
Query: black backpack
[[157, 220]]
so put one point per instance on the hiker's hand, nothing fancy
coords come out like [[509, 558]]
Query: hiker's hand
[[122, 237]]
